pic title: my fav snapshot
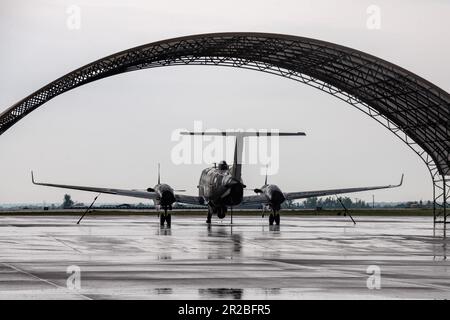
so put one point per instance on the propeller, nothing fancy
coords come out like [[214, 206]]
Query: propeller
[[159, 173], [265, 181], [258, 190], [159, 182]]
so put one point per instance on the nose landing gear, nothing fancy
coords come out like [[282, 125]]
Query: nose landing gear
[[220, 211]]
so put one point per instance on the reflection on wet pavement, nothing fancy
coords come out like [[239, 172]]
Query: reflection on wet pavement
[[221, 293], [304, 258]]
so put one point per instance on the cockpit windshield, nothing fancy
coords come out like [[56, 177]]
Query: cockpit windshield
[[223, 165]]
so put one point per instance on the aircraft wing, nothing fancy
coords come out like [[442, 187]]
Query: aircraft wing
[[195, 200], [320, 193], [119, 192], [316, 193]]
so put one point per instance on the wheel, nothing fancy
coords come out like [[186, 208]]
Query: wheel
[[271, 219], [168, 219], [221, 212], [162, 218], [277, 219]]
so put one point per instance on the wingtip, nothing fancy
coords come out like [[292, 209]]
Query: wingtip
[[32, 177], [401, 180]]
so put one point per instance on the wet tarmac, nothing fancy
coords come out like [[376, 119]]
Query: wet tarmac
[[131, 257]]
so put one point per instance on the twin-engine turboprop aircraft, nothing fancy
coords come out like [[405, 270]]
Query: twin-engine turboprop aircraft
[[221, 187]]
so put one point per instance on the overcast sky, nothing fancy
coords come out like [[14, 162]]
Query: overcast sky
[[113, 132]]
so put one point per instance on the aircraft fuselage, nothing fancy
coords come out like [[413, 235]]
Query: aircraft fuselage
[[218, 187]]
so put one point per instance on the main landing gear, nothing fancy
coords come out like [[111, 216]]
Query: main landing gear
[[209, 216], [274, 217], [274, 214], [220, 211], [165, 218]]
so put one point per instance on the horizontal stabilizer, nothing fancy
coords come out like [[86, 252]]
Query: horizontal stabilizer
[[242, 134]]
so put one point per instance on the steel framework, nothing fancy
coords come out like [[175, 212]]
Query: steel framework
[[415, 110]]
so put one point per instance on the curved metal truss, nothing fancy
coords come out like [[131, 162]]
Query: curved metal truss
[[415, 110]]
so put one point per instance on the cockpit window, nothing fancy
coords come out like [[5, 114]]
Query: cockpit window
[[223, 165]]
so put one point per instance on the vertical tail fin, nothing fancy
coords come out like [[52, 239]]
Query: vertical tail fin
[[236, 170], [238, 149]]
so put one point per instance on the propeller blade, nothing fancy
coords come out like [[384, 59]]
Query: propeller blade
[[159, 174]]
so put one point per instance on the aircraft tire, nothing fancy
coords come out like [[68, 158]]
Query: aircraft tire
[[277, 219], [162, 218], [271, 219], [168, 219]]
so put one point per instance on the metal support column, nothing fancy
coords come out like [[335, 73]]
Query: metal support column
[[441, 197]]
